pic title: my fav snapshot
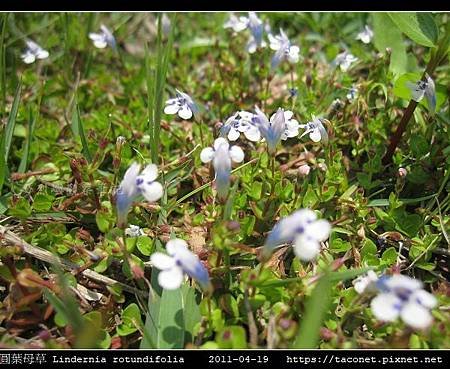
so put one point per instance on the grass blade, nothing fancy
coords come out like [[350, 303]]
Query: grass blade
[[78, 130], [316, 308], [5, 143]]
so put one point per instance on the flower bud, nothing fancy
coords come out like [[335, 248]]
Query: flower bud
[[304, 170]]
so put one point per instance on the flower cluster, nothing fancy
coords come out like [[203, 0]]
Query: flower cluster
[[344, 60]]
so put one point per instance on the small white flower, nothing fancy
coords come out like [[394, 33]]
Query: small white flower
[[241, 122], [365, 282], [181, 104], [304, 170], [403, 297], [344, 60], [134, 184], [366, 35], [221, 154], [424, 88], [352, 94], [103, 38], [303, 229], [178, 262], [237, 24], [284, 49], [33, 52], [316, 130], [134, 231]]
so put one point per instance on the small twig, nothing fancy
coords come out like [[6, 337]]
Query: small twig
[[48, 257], [20, 176], [253, 330]]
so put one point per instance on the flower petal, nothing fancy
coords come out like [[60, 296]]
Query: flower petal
[[176, 246], [219, 142], [171, 108], [424, 298], [306, 248], [152, 191], [233, 134], [314, 135], [185, 112], [318, 230], [207, 155], [386, 307], [236, 154], [171, 279], [162, 261], [416, 316], [150, 173], [253, 134]]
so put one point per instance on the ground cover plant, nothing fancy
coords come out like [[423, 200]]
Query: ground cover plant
[[253, 180]]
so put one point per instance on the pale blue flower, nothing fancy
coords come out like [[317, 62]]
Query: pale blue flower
[[352, 94], [272, 130], [134, 231], [344, 60], [256, 27], [103, 38], [222, 155], [424, 88], [33, 52], [283, 48], [315, 130], [182, 104], [179, 261], [402, 296], [303, 229], [137, 183], [366, 35]]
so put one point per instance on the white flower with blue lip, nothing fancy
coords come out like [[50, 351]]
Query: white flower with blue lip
[[181, 104], [240, 122], [137, 183], [404, 297], [33, 52], [256, 27], [316, 130], [344, 60], [222, 155], [237, 24], [283, 48], [366, 35], [179, 261], [103, 38], [422, 89], [303, 229], [272, 130]]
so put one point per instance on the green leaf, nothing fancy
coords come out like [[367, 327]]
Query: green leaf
[[419, 27], [78, 130], [145, 245], [165, 321], [131, 320], [387, 35], [316, 307], [232, 337]]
